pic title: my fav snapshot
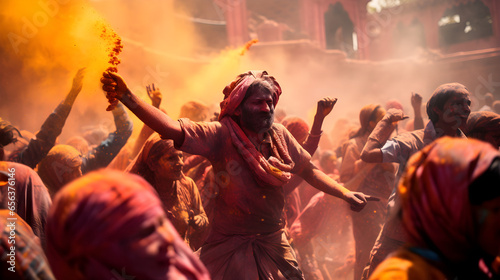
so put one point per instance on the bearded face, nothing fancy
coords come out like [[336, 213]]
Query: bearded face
[[256, 112]]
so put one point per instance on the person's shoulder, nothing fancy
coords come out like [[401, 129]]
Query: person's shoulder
[[15, 167], [408, 135], [278, 127], [210, 127], [187, 181]]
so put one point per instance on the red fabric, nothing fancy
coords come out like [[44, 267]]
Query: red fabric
[[297, 127], [235, 92], [178, 201], [250, 257], [312, 221], [275, 170], [435, 198], [152, 150], [102, 209], [243, 205], [484, 126], [28, 260], [32, 197], [393, 103]]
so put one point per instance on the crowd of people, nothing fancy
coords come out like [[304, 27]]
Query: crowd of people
[[245, 193]]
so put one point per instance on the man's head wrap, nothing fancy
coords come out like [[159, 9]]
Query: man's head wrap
[[60, 159], [481, 124], [235, 92], [297, 127], [393, 103]]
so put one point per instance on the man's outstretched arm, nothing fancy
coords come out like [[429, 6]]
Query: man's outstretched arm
[[151, 116], [372, 150], [323, 182]]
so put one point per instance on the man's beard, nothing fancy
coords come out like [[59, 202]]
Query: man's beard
[[259, 123]]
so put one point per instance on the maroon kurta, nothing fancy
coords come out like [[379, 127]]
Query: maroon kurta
[[248, 218]]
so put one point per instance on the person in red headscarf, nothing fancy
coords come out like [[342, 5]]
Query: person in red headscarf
[[449, 208], [31, 200], [485, 126], [416, 103], [161, 165], [252, 159], [111, 225], [297, 191], [309, 140]]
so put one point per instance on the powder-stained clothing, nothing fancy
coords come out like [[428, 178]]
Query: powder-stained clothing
[[375, 179], [45, 139], [24, 259], [246, 210], [177, 203], [437, 214], [243, 205], [293, 204], [398, 150], [32, 199], [121, 207], [313, 223], [103, 154]]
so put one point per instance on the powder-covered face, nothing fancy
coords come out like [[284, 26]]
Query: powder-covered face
[[456, 110], [257, 110], [144, 254], [170, 165]]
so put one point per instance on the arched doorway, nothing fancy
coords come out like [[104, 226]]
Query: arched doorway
[[339, 30]]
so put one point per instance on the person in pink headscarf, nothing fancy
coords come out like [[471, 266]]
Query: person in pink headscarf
[[111, 225], [161, 165], [450, 198], [485, 126], [252, 159]]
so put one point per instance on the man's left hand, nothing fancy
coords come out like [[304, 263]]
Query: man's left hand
[[358, 200], [325, 106]]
